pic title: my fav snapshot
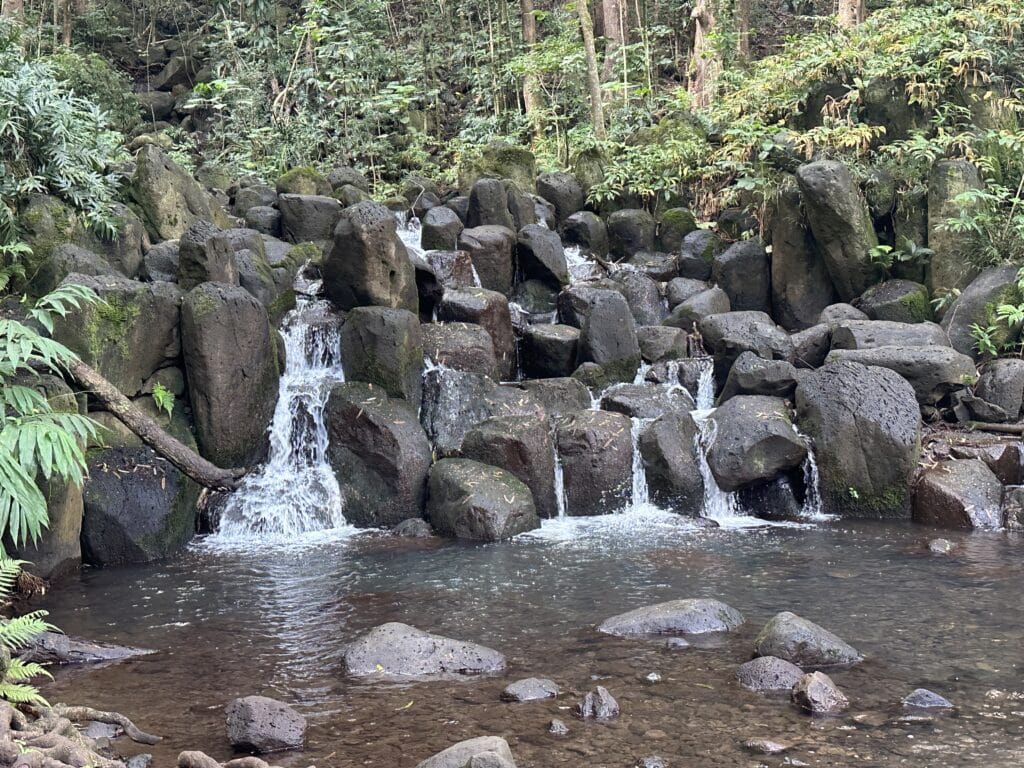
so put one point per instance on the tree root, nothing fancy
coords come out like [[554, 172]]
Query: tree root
[[202, 760], [84, 714]]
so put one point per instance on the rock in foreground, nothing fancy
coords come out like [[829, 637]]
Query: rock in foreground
[[802, 642], [817, 694], [768, 673], [686, 617], [597, 705], [465, 752], [260, 724], [531, 689], [398, 650]]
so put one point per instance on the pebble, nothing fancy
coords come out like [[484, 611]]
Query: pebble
[[941, 546], [676, 643], [557, 728], [653, 677], [651, 762], [766, 746]]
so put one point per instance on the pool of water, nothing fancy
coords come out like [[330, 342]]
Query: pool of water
[[274, 620]]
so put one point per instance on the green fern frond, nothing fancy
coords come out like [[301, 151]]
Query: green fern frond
[[20, 632], [19, 671], [21, 693]]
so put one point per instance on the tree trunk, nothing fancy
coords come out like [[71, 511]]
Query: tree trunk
[[593, 77], [851, 13], [14, 9], [705, 65], [616, 34], [742, 18], [176, 452], [531, 89], [69, 15]]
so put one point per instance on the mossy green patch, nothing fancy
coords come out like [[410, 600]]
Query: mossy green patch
[[917, 307], [303, 180]]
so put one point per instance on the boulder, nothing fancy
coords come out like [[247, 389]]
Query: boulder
[[500, 160], [455, 401], [562, 190], [368, 264], [742, 270], [698, 252], [138, 508], [690, 312], [398, 650], [205, 256], [461, 347], [668, 449], [811, 346], [261, 725], [803, 643], [530, 689], [922, 698], [168, 198], [464, 753], [478, 502], [129, 334], [490, 310], [608, 337], [870, 334], [933, 372], [659, 343], [488, 205], [769, 674], [588, 231], [974, 306], [753, 375], [729, 335], [413, 528], [303, 180], [866, 427], [596, 452], [900, 301], [598, 704], [658, 266], [801, 285], [383, 346], [344, 175], [441, 229], [754, 441], [679, 289], [841, 224], [230, 358], [645, 400], [255, 196], [1003, 458], [673, 225], [379, 453], [558, 396], [834, 314], [576, 301], [630, 230], [683, 617], [160, 264], [950, 268], [816, 694], [541, 256], [962, 493], [643, 296], [453, 269], [491, 250], [549, 350], [522, 445], [309, 218], [1001, 383]]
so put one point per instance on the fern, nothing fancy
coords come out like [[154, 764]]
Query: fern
[[15, 635]]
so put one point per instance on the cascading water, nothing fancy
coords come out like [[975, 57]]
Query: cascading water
[[812, 508], [410, 232], [641, 497], [559, 480], [718, 505], [296, 491]]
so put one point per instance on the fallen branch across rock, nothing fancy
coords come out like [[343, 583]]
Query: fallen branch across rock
[[1006, 429], [177, 453]]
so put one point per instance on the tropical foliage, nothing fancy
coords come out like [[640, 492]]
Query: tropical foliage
[[15, 635]]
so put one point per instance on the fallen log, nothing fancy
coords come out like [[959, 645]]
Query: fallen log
[[152, 434], [1006, 429]]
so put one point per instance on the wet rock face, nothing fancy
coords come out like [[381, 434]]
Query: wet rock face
[[558, 396], [742, 271], [549, 351], [541, 256], [490, 310], [461, 347], [646, 400], [368, 264], [598, 704], [260, 724], [768, 673], [379, 453], [608, 337], [963, 493], [588, 231], [973, 306], [531, 689], [803, 643], [478, 502], [441, 229], [383, 346], [698, 251], [685, 617], [816, 694], [596, 452], [669, 454], [630, 231], [865, 424], [398, 650], [754, 442]]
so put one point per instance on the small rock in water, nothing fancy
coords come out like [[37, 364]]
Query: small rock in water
[[651, 762], [463, 754], [803, 643], [687, 617], [765, 746], [922, 698], [557, 728], [414, 528], [140, 761], [941, 546], [768, 673], [489, 760], [530, 689], [398, 650], [597, 705], [260, 724], [95, 730], [676, 643], [817, 694]]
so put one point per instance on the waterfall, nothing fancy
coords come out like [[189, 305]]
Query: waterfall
[[580, 267], [812, 508], [640, 496], [410, 232], [705, 385], [718, 505], [559, 479], [295, 491]]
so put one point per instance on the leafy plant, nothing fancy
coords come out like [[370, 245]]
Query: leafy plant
[[985, 339], [164, 399], [15, 635], [885, 257]]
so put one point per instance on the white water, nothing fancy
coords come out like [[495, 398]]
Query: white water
[[295, 491], [559, 480], [580, 267], [410, 232], [640, 497], [812, 508]]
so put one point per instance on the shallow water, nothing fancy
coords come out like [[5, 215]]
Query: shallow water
[[273, 622]]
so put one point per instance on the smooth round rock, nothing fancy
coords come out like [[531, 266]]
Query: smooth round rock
[[531, 689], [685, 617], [768, 673]]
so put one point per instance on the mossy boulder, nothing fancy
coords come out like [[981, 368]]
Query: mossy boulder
[[303, 180], [977, 305], [499, 160], [129, 334], [673, 225], [950, 266], [383, 346], [901, 301]]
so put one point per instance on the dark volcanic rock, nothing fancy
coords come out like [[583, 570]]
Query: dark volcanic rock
[[461, 347], [742, 271], [383, 346], [596, 452], [685, 617], [599, 704], [398, 650], [799, 641], [478, 502], [668, 449], [767, 673], [817, 694], [259, 724], [922, 698], [963, 493]]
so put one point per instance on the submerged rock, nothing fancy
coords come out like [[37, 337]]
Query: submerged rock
[[687, 617], [478, 502], [398, 650], [463, 754], [941, 546], [55, 648], [817, 694], [599, 704], [765, 746], [414, 528], [804, 643], [922, 698], [558, 728], [963, 493], [769, 673], [531, 689], [260, 724]]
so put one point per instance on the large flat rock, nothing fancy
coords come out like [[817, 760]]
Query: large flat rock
[[685, 617], [398, 650]]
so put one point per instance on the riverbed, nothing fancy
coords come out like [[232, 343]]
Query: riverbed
[[272, 618]]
